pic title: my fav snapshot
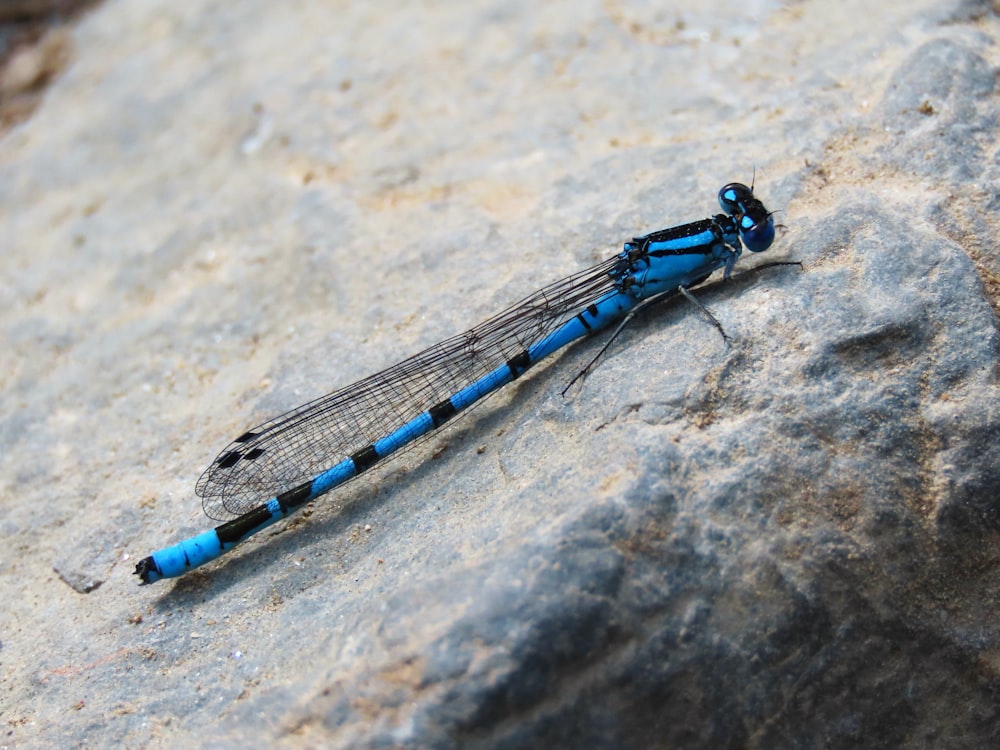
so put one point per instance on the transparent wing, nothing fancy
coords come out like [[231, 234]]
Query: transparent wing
[[289, 450]]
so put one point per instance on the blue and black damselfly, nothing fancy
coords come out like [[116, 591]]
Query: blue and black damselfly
[[276, 468]]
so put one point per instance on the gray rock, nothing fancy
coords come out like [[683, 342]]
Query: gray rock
[[789, 541]]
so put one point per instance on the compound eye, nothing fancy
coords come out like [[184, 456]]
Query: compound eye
[[735, 197], [757, 236]]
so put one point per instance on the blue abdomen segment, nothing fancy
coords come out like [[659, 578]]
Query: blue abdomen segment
[[613, 306], [177, 560], [331, 478], [171, 562]]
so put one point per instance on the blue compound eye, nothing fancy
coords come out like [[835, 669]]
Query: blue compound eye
[[734, 196], [757, 236], [755, 223]]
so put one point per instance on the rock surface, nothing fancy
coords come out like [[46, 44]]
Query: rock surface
[[221, 211]]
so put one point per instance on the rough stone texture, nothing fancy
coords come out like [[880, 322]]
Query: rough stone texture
[[222, 210]]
